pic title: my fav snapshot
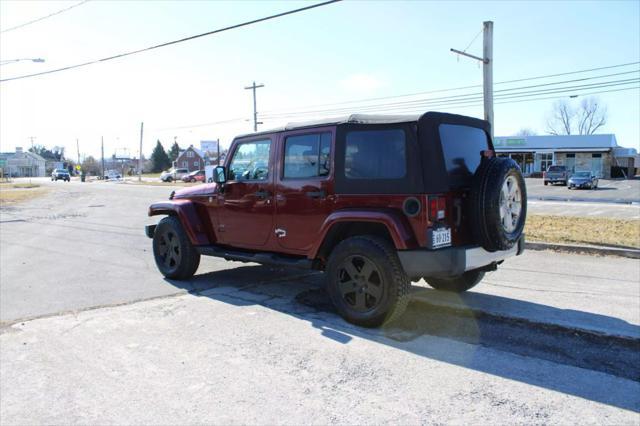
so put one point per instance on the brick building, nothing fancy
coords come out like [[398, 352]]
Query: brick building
[[191, 158]]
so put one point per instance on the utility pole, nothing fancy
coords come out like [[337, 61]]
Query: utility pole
[[102, 149], [487, 70], [140, 154], [78, 148], [255, 111], [32, 138]]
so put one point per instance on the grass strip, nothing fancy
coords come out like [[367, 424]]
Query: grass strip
[[583, 230]]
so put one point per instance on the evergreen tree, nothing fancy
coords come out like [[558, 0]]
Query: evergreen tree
[[174, 152], [159, 159]]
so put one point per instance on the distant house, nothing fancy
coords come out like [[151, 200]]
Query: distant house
[[23, 164], [191, 158]]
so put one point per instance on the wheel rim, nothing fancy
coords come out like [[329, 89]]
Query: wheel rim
[[510, 204], [360, 283], [169, 250]]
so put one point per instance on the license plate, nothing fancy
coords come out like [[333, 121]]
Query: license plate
[[441, 237]]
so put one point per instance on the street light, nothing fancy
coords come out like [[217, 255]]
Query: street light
[[10, 61]]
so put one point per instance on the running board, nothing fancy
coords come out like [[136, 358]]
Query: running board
[[263, 258]]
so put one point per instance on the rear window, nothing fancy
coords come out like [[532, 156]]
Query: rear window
[[462, 147], [376, 154], [557, 168]]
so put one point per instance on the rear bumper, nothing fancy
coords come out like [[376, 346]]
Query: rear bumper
[[453, 261]]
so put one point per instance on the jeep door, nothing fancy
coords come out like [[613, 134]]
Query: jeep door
[[304, 187], [245, 206]]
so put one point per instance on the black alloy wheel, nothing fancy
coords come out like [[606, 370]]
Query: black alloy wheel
[[360, 283], [366, 281], [174, 254]]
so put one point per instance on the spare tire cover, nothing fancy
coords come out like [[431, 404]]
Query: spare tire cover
[[499, 204]]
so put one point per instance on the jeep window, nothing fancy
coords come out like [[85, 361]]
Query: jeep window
[[376, 154], [250, 161], [462, 147], [307, 156]]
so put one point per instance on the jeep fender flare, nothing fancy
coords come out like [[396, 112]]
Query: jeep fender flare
[[185, 211], [401, 234]]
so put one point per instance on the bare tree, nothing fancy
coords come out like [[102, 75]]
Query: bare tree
[[585, 119], [561, 118], [591, 116], [526, 131]]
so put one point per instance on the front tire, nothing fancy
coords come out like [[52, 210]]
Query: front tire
[[174, 254], [457, 284], [366, 281]]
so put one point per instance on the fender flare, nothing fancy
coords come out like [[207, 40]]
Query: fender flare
[[396, 224], [185, 211]]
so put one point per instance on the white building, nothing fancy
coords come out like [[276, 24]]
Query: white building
[[599, 154], [24, 164]]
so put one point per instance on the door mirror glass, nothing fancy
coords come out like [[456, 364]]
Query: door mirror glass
[[219, 174]]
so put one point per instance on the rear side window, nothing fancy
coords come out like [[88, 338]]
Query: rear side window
[[376, 154], [307, 156], [462, 147]]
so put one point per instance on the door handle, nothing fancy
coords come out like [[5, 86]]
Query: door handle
[[316, 194], [262, 194]]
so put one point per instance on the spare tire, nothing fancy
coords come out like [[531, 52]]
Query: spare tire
[[498, 203]]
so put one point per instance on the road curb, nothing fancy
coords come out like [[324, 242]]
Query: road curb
[[477, 312], [581, 249]]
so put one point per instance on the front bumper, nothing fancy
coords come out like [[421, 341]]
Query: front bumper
[[453, 261], [580, 184]]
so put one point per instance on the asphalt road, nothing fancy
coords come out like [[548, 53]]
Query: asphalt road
[[252, 344], [609, 190]]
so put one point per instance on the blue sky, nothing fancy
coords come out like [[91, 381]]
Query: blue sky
[[346, 51]]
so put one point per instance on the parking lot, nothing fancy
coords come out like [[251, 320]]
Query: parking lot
[[608, 191], [92, 333]]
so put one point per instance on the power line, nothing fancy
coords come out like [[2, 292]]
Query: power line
[[169, 43], [452, 89], [479, 103], [458, 98], [473, 98], [44, 17]]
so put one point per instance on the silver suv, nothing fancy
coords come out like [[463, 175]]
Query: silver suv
[[173, 174]]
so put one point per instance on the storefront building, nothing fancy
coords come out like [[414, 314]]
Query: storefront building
[[599, 154]]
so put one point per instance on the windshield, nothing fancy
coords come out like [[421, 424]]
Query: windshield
[[582, 174], [61, 171], [556, 169]]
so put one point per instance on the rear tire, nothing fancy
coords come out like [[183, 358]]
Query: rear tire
[[174, 254], [546, 183], [457, 284], [366, 281]]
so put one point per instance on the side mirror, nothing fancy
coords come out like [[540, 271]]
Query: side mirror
[[219, 174]]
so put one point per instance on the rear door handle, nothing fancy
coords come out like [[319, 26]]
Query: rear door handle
[[262, 194], [316, 194]]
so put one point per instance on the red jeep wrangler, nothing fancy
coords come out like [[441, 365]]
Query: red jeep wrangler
[[373, 201]]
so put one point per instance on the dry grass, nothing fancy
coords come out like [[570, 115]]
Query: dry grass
[[13, 196], [583, 230]]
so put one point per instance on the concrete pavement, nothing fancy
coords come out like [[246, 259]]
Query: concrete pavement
[[252, 344]]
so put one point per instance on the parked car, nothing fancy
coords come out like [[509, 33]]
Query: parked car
[[112, 174], [583, 180], [373, 201], [197, 176], [173, 174], [556, 174], [60, 174]]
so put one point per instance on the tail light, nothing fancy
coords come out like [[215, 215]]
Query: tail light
[[437, 208]]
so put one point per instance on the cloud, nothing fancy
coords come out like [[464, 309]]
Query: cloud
[[362, 83]]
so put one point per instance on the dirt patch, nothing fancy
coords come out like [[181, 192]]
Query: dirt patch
[[583, 230]]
